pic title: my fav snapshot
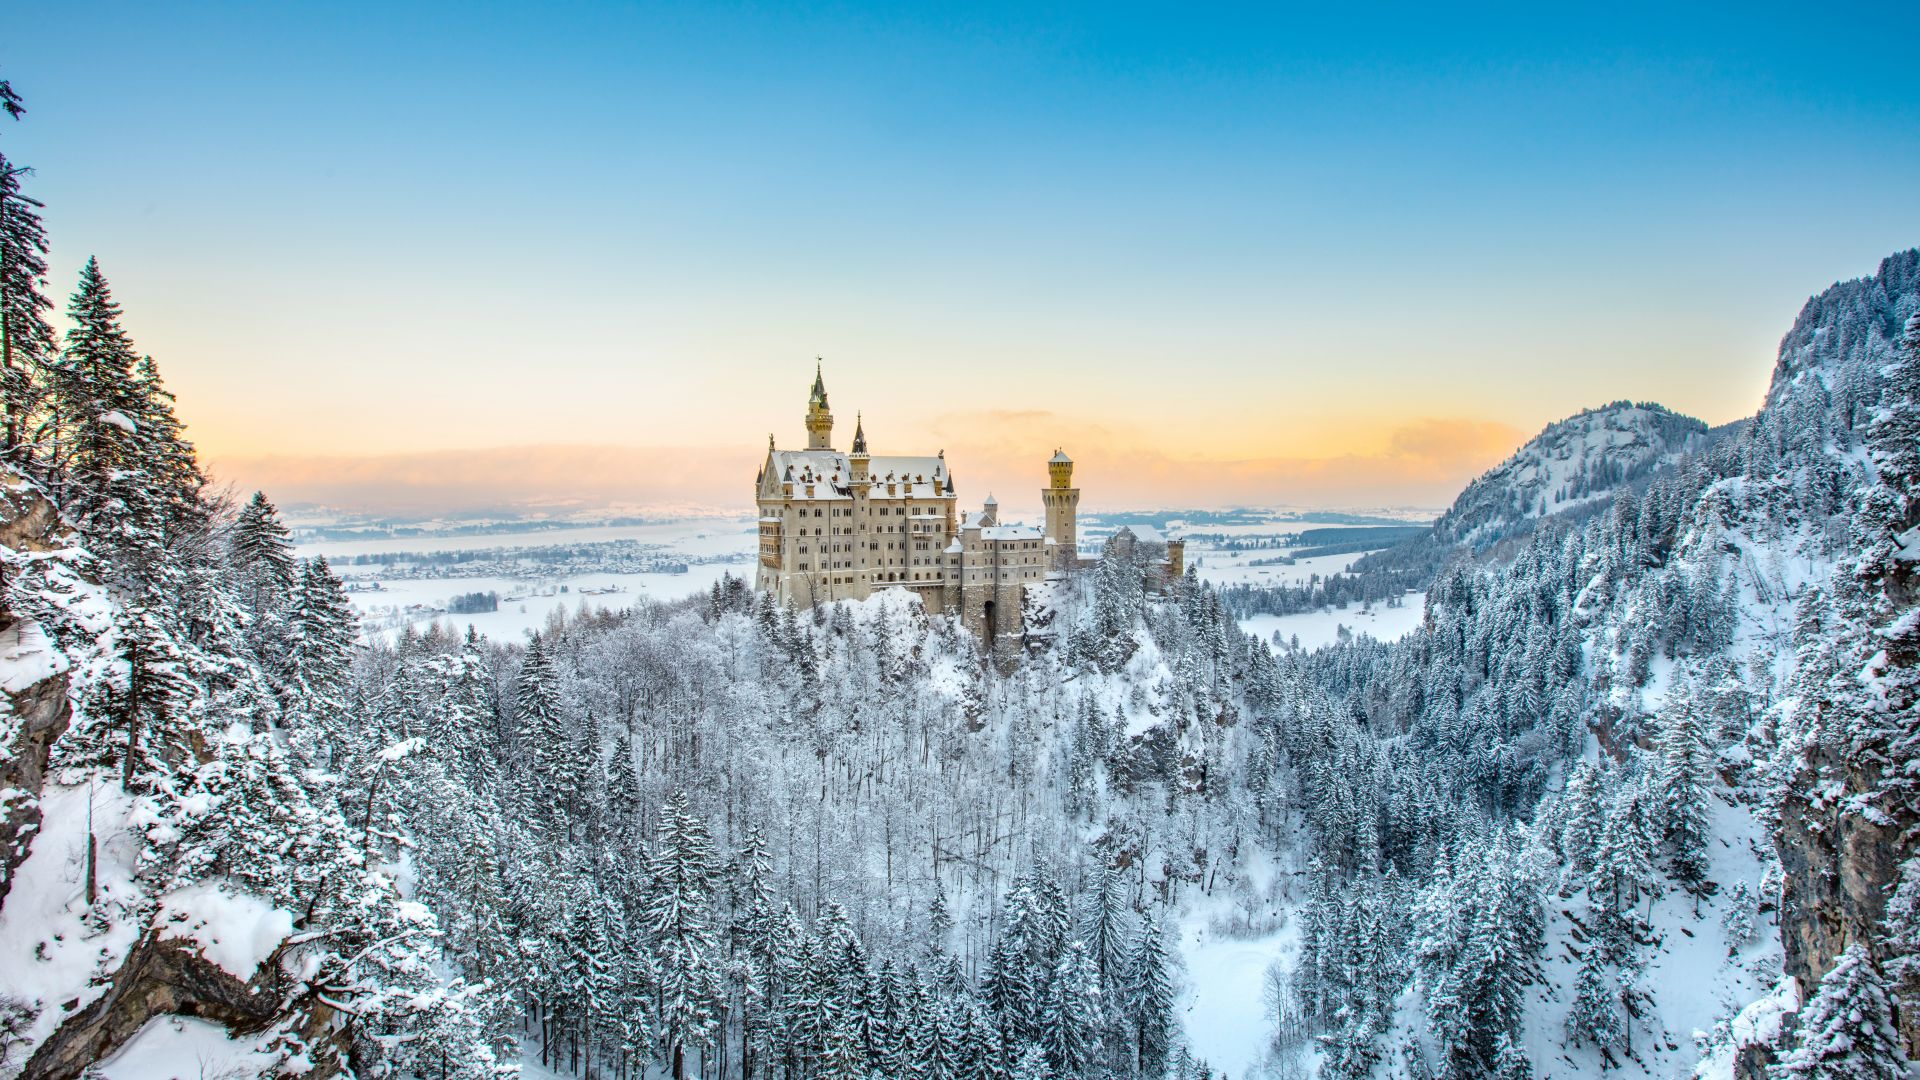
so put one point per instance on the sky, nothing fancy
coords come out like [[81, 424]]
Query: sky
[[433, 257]]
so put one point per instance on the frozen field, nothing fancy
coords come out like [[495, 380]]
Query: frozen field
[[1224, 1008], [705, 536], [1317, 628], [419, 602]]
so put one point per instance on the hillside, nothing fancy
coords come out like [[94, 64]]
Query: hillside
[[1571, 464]]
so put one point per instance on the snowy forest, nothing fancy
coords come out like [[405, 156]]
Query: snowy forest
[[1637, 796]]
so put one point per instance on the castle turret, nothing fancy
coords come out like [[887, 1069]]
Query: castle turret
[[859, 459], [1062, 501], [819, 417]]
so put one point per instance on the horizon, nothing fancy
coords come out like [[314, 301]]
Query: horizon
[[589, 256]]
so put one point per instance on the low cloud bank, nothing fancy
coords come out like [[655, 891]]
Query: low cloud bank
[[1423, 463]]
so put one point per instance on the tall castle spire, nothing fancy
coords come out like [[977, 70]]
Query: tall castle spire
[[819, 417]]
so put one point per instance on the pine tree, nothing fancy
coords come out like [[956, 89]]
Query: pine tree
[[1582, 819], [262, 557], [939, 925], [96, 402], [542, 736], [26, 338], [1106, 928], [1623, 869], [1894, 434], [1073, 1017], [1595, 1015], [1737, 921], [1845, 1030], [623, 787], [677, 914], [1682, 783], [323, 629], [1510, 1059], [1148, 987]]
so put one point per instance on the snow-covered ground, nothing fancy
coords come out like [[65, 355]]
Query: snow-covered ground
[[1318, 628], [419, 602], [702, 537], [1236, 567], [186, 1048], [1225, 1007]]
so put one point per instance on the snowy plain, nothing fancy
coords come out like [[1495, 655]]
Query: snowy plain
[[712, 547]]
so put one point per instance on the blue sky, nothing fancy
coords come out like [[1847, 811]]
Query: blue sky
[[1294, 241]]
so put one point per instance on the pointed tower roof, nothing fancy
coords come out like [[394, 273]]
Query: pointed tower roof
[[819, 395], [859, 435], [1059, 458]]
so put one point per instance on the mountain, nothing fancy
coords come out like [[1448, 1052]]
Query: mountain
[[1572, 464]]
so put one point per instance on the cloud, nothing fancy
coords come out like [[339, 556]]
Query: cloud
[[1423, 462], [501, 478]]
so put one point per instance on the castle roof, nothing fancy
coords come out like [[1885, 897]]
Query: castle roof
[[1059, 458], [1010, 532], [831, 475]]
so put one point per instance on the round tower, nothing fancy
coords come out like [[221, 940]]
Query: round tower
[[1062, 501], [819, 417]]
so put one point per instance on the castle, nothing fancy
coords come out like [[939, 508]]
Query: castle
[[841, 526]]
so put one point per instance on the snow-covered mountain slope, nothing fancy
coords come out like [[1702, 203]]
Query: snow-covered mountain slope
[[1572, 463], [1664, 743]]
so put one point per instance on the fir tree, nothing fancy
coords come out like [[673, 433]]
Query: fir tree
[[677, 914], [1682, 783], [1845, 1030], [1106, 928], [1595, 1015], [26, 338], [96, 402], [323, 628], [1148, 988], [262, 558]]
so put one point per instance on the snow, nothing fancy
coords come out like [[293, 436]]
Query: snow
[[1218, 567], [704, 537], [829, 472], [121, 420], [235, 930], [1224, 1007], [1759, 1023], [399, 751], [27, 657], [187, 1048], [719, 548], [419, 602], [1322, 627], [1691, 978], [52, 954]]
